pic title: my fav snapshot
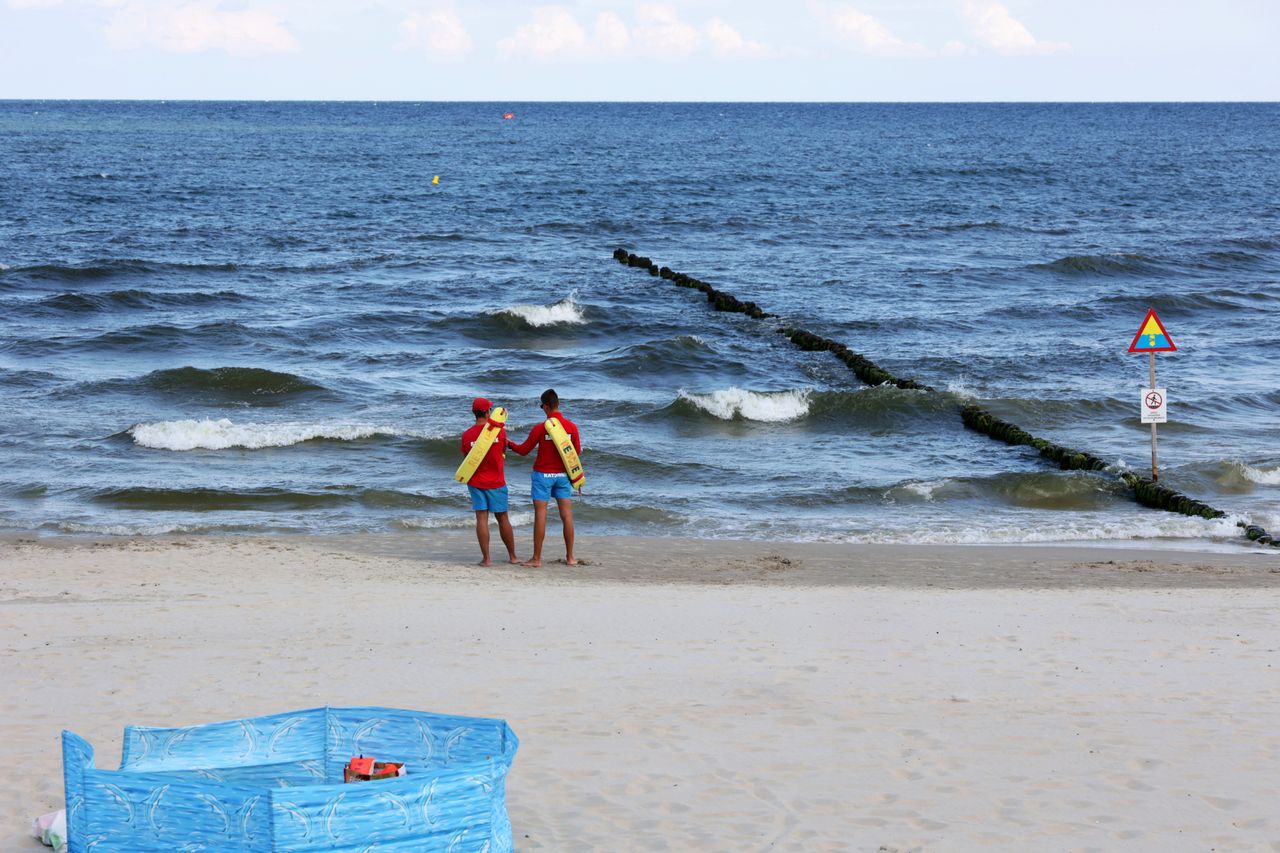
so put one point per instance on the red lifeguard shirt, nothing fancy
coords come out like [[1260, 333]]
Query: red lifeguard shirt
[[490, 474], [548, 459]]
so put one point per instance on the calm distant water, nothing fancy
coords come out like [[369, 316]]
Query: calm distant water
[[264, 317]]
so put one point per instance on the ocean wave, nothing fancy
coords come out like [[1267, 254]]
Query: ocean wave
[[1267, 477], [884, 406], [736, 403], [565, 312], [236, 382], [1229, 476], [1218, 299], [109, 267], [450, 237], [1117, 263], [683, 352], [1033, 490], [222, 434], [202, 499], [80, 303], [141, 337]]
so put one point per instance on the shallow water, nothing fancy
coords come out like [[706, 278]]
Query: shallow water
[[244, 317]]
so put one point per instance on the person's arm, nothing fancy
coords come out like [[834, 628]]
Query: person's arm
[[577, 442], [466, 445], [535, 435]]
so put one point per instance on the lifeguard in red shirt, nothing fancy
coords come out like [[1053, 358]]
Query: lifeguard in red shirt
[[488, 485], [550, 479]]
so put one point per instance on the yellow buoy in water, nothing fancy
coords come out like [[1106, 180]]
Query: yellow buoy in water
[[435, 179]]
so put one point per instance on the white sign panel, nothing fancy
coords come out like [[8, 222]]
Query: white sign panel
[[1155, 406]]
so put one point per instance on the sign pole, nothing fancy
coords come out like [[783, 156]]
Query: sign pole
[[1151, 339], [1154, 474]]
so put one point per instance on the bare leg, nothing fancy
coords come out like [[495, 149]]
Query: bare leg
[[482, 535], [566, 519], [539, 534], [508, 535]]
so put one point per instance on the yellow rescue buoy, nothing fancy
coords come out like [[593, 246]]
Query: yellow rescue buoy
[[435, 179], [568, 455], [485, 440]]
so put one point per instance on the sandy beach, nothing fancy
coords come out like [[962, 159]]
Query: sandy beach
[[690, 695]]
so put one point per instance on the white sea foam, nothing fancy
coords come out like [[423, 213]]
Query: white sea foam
[[1168, 530], [923, 489], [222, 434], [1261, 475], [961, 388], [457, 522], [565, 312], [148, 529], [729, 403]]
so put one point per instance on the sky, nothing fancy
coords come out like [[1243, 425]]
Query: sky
[[683, 50]]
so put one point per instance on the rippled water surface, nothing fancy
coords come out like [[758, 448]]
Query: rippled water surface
[[222, 316]]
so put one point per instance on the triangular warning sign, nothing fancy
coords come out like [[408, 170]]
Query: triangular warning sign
[[1151, 336]]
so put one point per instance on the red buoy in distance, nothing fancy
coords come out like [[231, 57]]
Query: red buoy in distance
[[508, 115]]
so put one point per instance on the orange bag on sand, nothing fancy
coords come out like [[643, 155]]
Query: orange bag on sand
[[363, 768]]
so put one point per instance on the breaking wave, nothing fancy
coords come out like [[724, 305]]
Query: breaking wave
[[736, 403], [565, 312], [1261, 475], [222, 434]]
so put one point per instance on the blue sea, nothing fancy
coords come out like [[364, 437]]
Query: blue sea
[[265, 317]]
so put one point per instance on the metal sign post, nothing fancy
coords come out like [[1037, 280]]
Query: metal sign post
[[1151, 339]]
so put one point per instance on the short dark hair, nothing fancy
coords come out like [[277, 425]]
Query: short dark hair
[[550, 399], [479, 413]]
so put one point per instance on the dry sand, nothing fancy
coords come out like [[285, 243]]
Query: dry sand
[[690, 696]]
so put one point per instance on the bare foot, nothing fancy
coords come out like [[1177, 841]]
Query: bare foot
[[571, 562], [532, 564], [515, 561], [486, 563]]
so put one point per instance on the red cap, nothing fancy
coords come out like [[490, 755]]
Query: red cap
[[480, 404]]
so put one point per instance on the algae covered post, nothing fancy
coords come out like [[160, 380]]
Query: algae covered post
[[1151, 339]]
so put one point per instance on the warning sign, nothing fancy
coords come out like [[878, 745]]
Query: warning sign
[[1151, 336], [1155, 406]]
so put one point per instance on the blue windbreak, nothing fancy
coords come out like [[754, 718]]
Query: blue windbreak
[[275, 783]]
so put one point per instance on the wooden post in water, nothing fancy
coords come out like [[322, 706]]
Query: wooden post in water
[[1155, 475], [1151, 339]]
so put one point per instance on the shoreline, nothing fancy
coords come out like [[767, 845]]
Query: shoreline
[[665, 560], [697, 695]]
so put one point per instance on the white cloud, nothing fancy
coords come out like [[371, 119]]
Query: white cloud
[[866, 32], [32, 4], [991, 23], [611, 34], [439, 33], [555, 34], [660, 30], [199, 26], [728, 42]]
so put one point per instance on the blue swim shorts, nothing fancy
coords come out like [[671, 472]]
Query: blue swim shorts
[[493, 500], [548, 486]]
